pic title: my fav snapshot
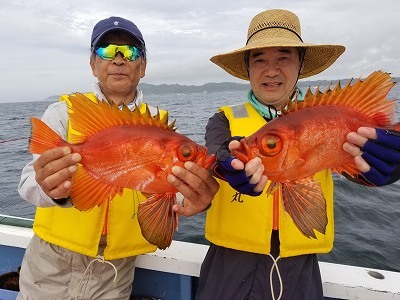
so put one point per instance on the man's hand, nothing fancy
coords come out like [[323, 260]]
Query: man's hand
[[376, 154], [196, 184], [54, 170], [245, 178]]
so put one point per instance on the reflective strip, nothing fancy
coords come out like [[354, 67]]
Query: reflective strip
[[239, 111]]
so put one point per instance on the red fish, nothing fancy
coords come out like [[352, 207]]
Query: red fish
[[121, 149], [308, 138]]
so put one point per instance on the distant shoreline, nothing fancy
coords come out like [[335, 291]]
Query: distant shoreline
[[228, 86], [153, 89]]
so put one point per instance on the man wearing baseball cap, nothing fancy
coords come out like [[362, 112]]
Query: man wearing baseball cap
[[91, 255]]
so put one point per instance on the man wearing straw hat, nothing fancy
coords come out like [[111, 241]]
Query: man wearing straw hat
[[255, 252]]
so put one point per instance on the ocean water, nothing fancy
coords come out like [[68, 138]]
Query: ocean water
[[367, 232]]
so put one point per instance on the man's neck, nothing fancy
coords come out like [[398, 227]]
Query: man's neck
[[118, 99]]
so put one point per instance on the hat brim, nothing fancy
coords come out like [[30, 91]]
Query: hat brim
[[96, 41], [317, 57]]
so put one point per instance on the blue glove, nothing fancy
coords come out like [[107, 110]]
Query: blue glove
[[383, 155], [237, 179]]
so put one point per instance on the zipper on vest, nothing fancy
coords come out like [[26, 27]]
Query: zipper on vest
[[275, 208]]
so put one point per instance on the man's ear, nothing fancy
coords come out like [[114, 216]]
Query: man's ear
[[92, 65], [143, 68]]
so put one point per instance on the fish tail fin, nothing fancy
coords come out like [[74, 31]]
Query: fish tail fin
[[304, 201], [85, 199], [157, 220], [43, 137]]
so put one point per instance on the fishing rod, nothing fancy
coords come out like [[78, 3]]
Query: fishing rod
[[13, 140]]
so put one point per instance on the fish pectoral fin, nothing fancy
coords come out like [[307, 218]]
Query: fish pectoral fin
[[304, 201], [87, 192], [157, 220]]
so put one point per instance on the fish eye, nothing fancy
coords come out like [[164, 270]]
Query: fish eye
[[271, 145], [186, 153]]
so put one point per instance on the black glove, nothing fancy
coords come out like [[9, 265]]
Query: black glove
[[237, 179], [383, 155]]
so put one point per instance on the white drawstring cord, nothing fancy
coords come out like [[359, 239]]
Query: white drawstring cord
[[100, 259], [275, 266]]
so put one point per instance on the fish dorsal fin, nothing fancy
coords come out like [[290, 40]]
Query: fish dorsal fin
[[368, 96], [88, 117]]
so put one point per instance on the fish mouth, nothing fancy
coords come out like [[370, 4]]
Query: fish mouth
[[204, 159], [245, 152], [209, 161]]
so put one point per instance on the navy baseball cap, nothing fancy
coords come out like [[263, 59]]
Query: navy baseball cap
[[115, 24]]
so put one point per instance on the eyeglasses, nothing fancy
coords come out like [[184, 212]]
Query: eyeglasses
[[110, 51]]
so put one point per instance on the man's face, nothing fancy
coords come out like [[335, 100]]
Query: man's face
[[273, 74], [118, 76]]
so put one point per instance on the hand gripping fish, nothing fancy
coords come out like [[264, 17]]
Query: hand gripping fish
[[309, 137], [121, 149]]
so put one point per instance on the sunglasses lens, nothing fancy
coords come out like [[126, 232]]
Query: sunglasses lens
[[109, 52], [106, 53], [132, 53]]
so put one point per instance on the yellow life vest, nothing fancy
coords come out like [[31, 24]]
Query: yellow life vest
[[245, 223], [81, 231]]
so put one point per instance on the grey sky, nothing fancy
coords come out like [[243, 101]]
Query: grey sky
[[46, 43]]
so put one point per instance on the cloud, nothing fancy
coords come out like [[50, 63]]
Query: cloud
[[46, 43]]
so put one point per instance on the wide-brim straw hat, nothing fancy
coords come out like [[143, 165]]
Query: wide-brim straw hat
[[278, 28]]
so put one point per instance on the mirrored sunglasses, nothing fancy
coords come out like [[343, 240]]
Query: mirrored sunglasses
[[108, 52]]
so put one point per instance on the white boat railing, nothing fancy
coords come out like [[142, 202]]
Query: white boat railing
[[339, 281]]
